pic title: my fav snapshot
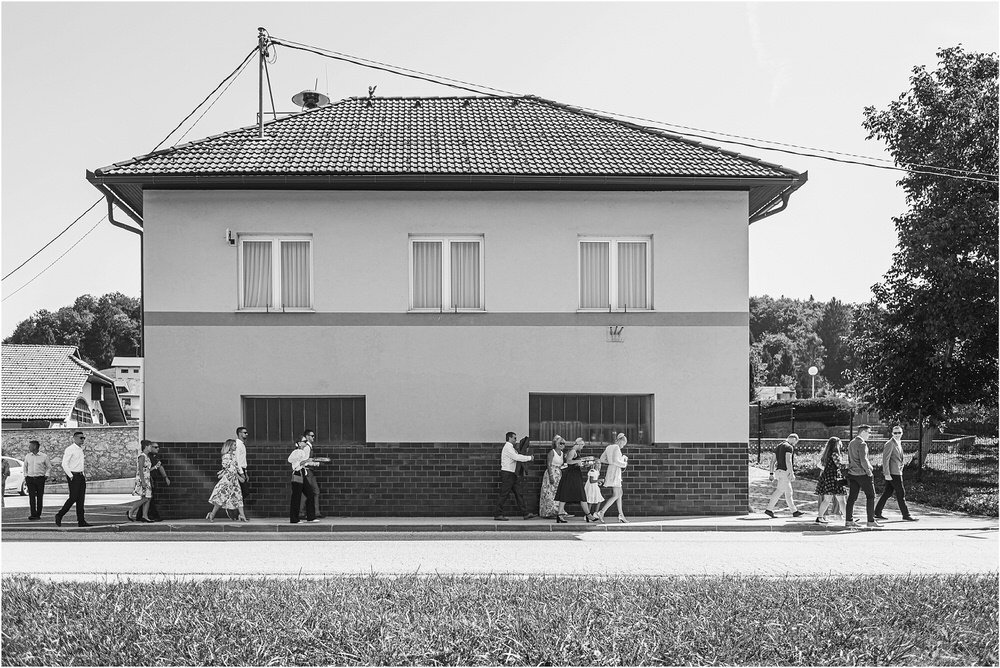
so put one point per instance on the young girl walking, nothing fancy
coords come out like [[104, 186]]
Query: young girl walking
[[593, 487]]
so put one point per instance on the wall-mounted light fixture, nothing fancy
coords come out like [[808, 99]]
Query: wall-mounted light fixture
[[229, 237], [615, 333]]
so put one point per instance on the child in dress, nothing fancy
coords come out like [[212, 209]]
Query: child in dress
[[593, 488]]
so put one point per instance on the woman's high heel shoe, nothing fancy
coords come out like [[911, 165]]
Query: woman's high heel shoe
[[590, 518], [242, 518], [622, 520], [209, 517], [560, 520]]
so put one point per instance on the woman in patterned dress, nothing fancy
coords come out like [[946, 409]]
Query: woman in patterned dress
[[831, 482], [227, 491], [143, 486], [547, 505]]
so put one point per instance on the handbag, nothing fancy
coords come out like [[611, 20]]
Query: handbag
[[298, 477]]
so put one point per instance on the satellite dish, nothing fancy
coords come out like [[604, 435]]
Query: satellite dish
[[310, 99]]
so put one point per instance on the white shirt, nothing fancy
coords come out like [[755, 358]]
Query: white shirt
[[509, 458], [298, 456], [36, 465], [72, 461], [241, 454]]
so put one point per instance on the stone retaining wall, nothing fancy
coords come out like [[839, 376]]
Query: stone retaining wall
[[110, 452]]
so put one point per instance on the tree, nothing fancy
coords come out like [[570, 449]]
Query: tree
[[928, 340], [100, 328], [834, 330]]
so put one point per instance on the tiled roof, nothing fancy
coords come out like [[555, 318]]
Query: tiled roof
[[468, 136], [41, 382]]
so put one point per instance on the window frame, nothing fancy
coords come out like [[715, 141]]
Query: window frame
[[446, 241], [647, 407], [613, 272], [275, 240]]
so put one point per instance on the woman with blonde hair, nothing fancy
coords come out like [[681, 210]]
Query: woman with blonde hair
[[548, 507], [227, 492], [143, 485], [831, 484], [616, 461]]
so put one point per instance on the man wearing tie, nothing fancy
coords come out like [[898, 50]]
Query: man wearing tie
[[72, 465]]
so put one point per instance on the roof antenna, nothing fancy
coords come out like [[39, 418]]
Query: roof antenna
[[371, 94]]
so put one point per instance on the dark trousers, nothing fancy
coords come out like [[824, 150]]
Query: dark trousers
[[858, 483], [77, 494], [36, 490], [893, 487], [508, 486], [298, 489], [312, 484]]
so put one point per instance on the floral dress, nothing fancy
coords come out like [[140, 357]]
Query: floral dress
[[547, 506], [830, 481], [227, 491], [143, 486]]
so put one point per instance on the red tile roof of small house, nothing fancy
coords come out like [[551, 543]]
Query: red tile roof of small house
[[44, 382], [449, 143]]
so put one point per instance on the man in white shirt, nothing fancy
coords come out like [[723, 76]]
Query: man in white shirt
[[36, 469], [509, 458], [72, 466], [309, 437], [241, 460]]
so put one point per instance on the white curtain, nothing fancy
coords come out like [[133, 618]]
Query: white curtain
[[465, 274], [632, 275], [426, 274], [256, 274], [594, 274], [295, 274]]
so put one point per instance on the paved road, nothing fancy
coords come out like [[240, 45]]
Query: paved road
[[690, 553]]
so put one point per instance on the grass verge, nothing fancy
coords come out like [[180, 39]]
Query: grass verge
[[502, 620]]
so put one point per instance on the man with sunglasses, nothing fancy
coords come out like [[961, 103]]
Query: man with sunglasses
[[892, 471], [72, 465]]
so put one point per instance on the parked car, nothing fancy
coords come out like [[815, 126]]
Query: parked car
[[16, 480]]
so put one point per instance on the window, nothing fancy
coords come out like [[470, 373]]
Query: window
[[124, 370], [81, 413], [596, 418], [446, 273], [615, 273], [275, 273], [336, 420]]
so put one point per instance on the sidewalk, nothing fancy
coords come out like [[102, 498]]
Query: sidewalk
[[107, 513]]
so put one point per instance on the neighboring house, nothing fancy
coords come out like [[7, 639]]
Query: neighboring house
[[414, 277], [775, 393], [51, 386], [127, 374]]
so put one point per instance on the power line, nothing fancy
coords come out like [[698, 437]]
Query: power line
[[103, 218], [480, 89], [231, 74], [65, 229], [232, 80]]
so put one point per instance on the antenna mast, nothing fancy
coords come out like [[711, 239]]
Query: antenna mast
[[261, 51]]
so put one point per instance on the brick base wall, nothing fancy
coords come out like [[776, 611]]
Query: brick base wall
[[453, 479]]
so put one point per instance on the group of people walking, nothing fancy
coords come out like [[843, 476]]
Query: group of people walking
[[563, 480], [842, 485]]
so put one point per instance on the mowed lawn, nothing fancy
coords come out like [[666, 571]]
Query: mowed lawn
[[504, 620]]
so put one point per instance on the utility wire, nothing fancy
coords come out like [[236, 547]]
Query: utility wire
[[89, 209], [231, 74], [270, 91], [231, 78], [480, 89], [31, 280]]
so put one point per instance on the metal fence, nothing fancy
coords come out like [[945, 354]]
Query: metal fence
[[964, 460]]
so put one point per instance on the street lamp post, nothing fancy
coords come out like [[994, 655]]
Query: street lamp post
[[812, 372]]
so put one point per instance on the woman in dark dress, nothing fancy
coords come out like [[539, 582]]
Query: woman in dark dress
[[831, 483], [571, 484]]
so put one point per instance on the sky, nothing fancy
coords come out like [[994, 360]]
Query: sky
[[84, 85]]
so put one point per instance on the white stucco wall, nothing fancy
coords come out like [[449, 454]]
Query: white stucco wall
[[447, 382]]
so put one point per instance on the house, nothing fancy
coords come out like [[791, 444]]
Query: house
[[51, 386], [775, 393], [127, 374], [414, 277]]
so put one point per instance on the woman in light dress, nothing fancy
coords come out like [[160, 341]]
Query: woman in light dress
[[143, 485], [548, 507], [616, 461], [227, 492]]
